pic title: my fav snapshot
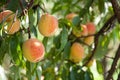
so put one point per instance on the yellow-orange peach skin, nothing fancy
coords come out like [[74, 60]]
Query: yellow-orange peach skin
[[76, 52], [91, 28], [8, 15], [89, 40], [13, 26], [47, 25], [70, 16], [33, 50]]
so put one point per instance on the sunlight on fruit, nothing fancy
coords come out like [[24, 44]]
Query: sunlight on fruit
[[76, 52], [47, 25], [33, 50]]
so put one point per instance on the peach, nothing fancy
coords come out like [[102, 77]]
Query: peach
[[70, 16], [13, 26], [76, 52], [8, 15], [47, 25], [82, 32], [91, 28], [33, 50], [89, 40]]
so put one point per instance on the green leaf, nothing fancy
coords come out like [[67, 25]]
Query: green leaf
[[48, 41], [66, 50], [38, 74], [30, 73], [64, 38], [86, 8], [76, 21], [15, 70], [15, 50], [77, 73], [60, 41], [64, 71], [101, 6], [88, 75], [99, 67], [14, 7], [102, 47], [3, 50], [33, 22]]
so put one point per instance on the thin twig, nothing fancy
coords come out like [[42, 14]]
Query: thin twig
[[29, 35], [114, 64], [30, 4], [21, 6], [116, 9], [109, 57], [27, 8]]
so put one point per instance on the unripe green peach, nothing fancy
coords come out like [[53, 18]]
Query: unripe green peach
[[76, 52], [47, 25], [13, 26], [33, 50], [91, 28], [89, 40], [8, 15], [70, 16], [82, 32]]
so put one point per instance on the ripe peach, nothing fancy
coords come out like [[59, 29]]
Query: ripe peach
[[76, 52], [8, 15], [70, 16], [91, 28], [83, 32], [13, 26], [33, 50], [89, 40], [47, 25]]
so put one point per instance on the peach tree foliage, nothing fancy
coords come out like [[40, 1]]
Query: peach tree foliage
[[56, 64]]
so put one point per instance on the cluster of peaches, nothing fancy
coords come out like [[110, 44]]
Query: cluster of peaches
[[33, 49], [87, 31], [9, 19]]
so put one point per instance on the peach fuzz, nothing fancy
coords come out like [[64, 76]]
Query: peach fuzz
[[33, 50], [70, 16], [91, 28], [89, 40], [13, 26], [76, 52], [47, 25], [7, 14]]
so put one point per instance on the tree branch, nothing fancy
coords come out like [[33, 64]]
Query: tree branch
[[27, 8], [116, 9], [118, 76], [105, 28], [21, 6], [114, 64]]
